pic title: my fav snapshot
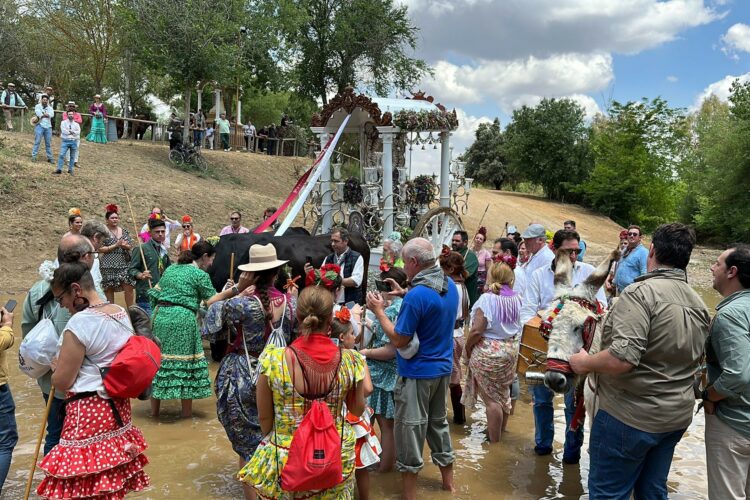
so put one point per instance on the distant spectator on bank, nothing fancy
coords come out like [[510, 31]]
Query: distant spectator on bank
[[284, 120], [200, 128], [235, 225], [9, 97], [210, 134], [268, 212], [70, 134], [43, 128], [632, 263], [570, 225], [272, 140], [169, 226], [71, 107], [223, 124], [249, 132], [98, 110]]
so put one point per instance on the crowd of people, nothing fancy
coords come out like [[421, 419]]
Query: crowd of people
[[369, 385]]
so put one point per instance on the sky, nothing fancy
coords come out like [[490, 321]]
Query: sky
[[493, 56]]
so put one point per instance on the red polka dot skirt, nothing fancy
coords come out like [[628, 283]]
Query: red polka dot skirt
[[96, 458]]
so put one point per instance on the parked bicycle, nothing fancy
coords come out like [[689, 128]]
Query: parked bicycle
[[188, 155]]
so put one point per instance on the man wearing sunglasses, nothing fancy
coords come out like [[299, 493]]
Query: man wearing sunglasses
[[632, 264], [235, 225], [538, 296]]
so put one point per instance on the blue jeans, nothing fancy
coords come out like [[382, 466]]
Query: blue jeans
[[146, 306], [625, 459], [8, 431], [54, 423], [544, 423], [68, 146], [40, 132]]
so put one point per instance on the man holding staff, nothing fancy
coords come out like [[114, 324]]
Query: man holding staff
[[149, 262]]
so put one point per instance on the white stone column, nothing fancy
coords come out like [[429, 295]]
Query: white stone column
[[217, 102], [386, 135], [200, 97], [326, 202], [445, 155]]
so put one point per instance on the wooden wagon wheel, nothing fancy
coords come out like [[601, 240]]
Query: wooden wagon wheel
[[438, 226]]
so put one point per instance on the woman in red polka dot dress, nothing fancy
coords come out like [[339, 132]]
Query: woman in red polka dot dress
[[100, 454]]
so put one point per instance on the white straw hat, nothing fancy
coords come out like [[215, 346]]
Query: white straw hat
[[262, 257]]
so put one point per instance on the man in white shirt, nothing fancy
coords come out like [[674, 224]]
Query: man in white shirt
[[540, 255], [539, 294], [352, 267], [249, 131], [70, 133], [169, 225], [43, 128]]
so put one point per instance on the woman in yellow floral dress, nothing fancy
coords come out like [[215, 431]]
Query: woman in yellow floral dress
[[281, 398]]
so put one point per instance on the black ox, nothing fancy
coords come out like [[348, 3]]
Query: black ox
[[295, 246]]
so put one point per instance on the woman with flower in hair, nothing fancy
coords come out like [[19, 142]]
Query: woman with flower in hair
[[491, 347], [452, 264], [188, 237], [75, 222], [484, 256], [253, 313], [115, 258], [381, 360]]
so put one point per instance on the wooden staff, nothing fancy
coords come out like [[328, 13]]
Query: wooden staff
[[39, 442], [231, 267], [485, 213], [135, 228]]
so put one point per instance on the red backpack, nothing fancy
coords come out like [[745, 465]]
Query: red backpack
[[133, 369], [314, 460]]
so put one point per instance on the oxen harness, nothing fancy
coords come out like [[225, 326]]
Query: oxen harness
[[558, 365]]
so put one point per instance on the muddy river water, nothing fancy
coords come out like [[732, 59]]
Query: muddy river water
[[192, 458]]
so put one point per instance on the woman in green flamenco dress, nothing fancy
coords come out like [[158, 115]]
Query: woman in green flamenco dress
[[98, 119], [175, 301]]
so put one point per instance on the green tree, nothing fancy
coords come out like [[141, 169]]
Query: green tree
[[639, 149], [336, 43], [549, 145], [187, 40], [485, 160]]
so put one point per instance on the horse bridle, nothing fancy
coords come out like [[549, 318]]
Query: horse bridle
[[589, 328]]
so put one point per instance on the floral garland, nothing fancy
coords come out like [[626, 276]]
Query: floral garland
[[328, 276], [415, 121], [353, 191], [420, 190], [506, 259]]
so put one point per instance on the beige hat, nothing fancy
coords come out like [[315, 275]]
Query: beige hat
[[262, 257]]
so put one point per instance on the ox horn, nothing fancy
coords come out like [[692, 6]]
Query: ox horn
[[599, 276], [563, 269]]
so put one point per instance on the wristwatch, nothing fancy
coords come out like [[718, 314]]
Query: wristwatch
[[236, 290], [704, 395]]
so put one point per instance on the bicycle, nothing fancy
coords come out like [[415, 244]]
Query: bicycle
[[188, 155]]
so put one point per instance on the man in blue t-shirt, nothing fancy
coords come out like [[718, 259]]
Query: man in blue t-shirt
[[633, 262], [427, 316]]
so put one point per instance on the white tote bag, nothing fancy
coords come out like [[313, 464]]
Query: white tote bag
[[38, 349]]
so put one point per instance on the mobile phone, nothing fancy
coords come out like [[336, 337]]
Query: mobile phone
[[350, 304], [10, 305], [382, 286], [308, 260], [335, 341]]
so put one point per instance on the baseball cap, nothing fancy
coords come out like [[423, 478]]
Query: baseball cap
[[534, 231]]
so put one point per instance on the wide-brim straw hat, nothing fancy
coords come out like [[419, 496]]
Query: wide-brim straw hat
[[262, 257], [34, 120]]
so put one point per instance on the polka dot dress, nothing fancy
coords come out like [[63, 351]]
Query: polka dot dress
[[96, 458]]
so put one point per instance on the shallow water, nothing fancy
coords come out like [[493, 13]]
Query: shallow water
[[192, 458]]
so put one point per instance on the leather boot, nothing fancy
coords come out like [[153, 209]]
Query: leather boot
[[459, 413]]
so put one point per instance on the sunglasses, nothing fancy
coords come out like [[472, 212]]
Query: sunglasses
[[573, 250], [186, 226], [633, 234], [234, 218]]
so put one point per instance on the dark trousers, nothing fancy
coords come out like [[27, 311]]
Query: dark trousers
[[224, 141], [54, 423]]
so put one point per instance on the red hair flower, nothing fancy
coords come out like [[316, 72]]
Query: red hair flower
[[385, 266], [509, 260], [328, 276], [186, 219], [154, 216], [446, 251], [112, 208], [343, 315], [482, 231]]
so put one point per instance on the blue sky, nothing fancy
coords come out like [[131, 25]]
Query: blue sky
[[492, 56]]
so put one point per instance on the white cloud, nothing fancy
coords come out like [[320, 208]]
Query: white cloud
[[511, 29], [521, 82], [736, 39], [720, 89], [672, 79]]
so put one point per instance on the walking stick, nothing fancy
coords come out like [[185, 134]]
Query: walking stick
[[362, 321], [485, 213], [39, 443], [135, 228], [231, 267]]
